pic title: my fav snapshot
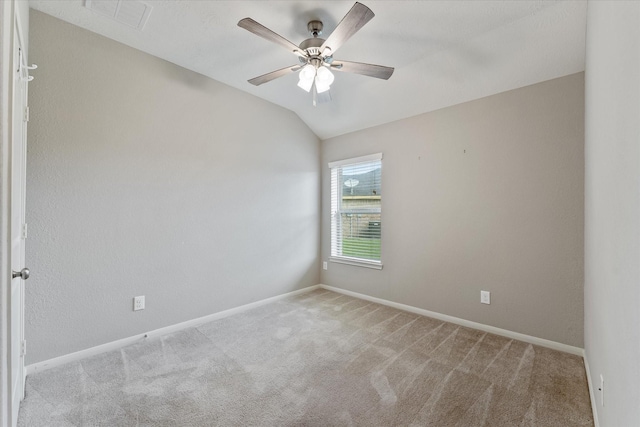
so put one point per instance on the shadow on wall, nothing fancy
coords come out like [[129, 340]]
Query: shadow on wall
[[189, 79]]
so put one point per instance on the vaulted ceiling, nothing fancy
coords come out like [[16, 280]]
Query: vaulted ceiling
[[444, 52]]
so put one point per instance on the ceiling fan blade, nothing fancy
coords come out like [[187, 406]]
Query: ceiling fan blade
[[265, 78], [262, 31], [371, 70], [355, 19]]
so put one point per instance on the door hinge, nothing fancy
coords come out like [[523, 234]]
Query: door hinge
[[26, 114], [23, 348], [24, 231]]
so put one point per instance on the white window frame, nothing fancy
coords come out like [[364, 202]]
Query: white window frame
[[337, 211]]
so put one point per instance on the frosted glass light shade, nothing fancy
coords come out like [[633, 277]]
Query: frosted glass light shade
[[324, 78], [305, 84], [306, 77], [308, 72]]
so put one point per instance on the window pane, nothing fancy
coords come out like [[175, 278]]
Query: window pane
[[361, 186], [356, 206], [361, 235]]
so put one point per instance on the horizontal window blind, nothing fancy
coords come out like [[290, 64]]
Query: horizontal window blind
[[356, 207]]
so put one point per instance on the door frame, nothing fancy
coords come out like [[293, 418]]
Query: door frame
[[20, 72], [9, 15]]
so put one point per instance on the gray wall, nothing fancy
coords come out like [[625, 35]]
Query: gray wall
[[148, 179], [486, 195], [612, 209]]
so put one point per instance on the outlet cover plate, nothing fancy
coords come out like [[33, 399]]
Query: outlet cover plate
[[485, 297], [138, 303]]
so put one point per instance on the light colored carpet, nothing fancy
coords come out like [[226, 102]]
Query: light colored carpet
[[316, 359]]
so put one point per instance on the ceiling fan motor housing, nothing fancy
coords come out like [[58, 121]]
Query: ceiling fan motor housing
[[312, 45]]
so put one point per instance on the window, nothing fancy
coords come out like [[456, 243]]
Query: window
[[356, 206]]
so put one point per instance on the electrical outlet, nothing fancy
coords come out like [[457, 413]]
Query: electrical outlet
[[485, 297], [138, 303], [324, 265]]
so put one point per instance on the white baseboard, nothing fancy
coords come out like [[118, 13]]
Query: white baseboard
[[462, 322], [115, 345], [592, 391]]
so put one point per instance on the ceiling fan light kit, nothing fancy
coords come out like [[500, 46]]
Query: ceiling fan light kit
[[310, 75], [306, 77], [316, 54], [324, 79]]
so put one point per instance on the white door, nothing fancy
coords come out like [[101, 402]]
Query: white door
[[18, 227]]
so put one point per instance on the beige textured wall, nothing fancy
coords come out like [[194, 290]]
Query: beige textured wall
[[612, 209], [486, 195], [148, 179]]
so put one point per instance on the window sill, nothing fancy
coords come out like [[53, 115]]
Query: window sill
[[357, 262]]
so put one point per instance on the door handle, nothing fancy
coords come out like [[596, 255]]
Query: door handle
[[24, 274]]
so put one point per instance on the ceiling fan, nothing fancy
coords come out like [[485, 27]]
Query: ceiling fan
[[316, 54]]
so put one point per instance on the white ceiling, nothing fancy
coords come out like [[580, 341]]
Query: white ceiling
[[444, 52]]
